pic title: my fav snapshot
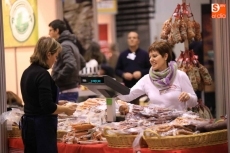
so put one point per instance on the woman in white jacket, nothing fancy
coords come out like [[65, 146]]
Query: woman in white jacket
[[165, 85]]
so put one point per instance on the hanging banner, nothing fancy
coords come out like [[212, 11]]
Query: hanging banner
[[107, 7], [20, 22]]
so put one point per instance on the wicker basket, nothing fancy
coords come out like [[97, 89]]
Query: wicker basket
[[185, 141], [122, 141], [14, 133], [60, 134]]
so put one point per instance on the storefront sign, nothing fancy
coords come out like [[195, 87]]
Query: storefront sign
[[20, 26], [107, 7]]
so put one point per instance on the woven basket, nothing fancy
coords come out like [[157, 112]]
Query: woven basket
[[14, 133], [122, 141], [60, 134], [185, 141]]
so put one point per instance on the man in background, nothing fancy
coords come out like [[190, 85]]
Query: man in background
[[132, 63], [65, 71]]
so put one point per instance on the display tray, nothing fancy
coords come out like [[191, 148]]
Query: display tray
[[185, 141]]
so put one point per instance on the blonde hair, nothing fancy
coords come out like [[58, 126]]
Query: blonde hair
[[12, 98], [44, 46]]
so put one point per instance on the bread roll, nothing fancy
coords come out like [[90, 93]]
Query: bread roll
[[124, 109]]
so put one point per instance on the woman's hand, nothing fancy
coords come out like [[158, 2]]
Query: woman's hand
[[62, 102], [70, 110], [66, 108], [184, 96]]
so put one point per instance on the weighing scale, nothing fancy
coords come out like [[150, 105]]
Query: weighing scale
[[109, 88]]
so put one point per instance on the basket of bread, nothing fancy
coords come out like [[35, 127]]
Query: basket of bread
[[123, 138], [186, 133]]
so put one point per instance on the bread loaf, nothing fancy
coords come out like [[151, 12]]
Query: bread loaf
[[124, 109], [82, 126]]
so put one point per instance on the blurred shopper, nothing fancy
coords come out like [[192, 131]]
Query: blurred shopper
[[65, 71], [112, 60], [13, 101], [165, 85], [94, 58], [113, 55], [132, 63], [82, 50], [40, 96]]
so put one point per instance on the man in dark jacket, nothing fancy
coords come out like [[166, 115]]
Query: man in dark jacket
[[65, 71], [132, 63]]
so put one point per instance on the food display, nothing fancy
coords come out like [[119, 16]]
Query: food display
[[180, 27], [197, 73], [84, 124], [183, 125], [91, 103], [88, 125], [153, 127]]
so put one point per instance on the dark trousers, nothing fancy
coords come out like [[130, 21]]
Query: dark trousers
[[39, 134], [69, 96]]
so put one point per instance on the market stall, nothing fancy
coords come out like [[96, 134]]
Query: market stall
[[88, 131]]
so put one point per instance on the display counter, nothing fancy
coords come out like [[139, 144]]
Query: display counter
[[95, 124], [15, 144]]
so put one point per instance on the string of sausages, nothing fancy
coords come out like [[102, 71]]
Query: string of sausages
[[197, 73], [180, 27]]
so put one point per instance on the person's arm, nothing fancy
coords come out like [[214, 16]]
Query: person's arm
[[64, 109], [119, 67], [136, 91], [45, 93], [147, 65], [69, 61], [46, 98], [186, 86]]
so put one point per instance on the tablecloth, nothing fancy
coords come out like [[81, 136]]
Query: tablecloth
[[16, 143]]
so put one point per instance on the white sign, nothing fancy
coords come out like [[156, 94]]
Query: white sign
[[21, 20], [107, 6]]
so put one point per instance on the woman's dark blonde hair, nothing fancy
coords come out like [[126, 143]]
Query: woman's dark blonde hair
[[13, 99], [162, 47], [42, 48]]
